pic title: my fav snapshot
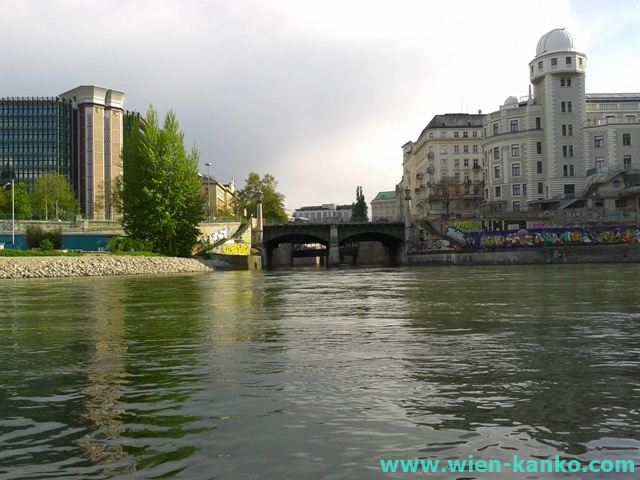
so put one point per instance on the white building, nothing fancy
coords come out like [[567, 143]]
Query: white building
[[560, 147], [325, 213]]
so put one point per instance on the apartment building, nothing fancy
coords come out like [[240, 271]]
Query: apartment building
[[448, 151]]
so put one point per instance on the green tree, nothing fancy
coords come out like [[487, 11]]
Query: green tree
[[359, 209], [53, 196], [272, 203], [159, 194], [21, 198], [446, 190]]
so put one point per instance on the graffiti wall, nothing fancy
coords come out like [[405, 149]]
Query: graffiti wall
[[239, 244], [553, 237]]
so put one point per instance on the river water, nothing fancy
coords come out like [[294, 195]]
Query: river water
[[317, 374]]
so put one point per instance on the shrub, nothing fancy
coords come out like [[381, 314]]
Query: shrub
[[35, 234], [46, 245], [127, 244]]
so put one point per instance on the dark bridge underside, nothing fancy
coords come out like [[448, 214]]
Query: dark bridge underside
[[386, 233], [390, 235]]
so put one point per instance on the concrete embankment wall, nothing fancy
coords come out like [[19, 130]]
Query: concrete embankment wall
[[97, 265], [533, 256]]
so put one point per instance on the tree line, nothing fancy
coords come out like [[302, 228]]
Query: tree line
[[52, 197], [160, 194]]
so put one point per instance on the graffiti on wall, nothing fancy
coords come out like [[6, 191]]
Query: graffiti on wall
[[466, 225], [554, 237], [234, 245]]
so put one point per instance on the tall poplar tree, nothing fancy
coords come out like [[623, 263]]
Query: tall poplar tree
[[160, 191], [360, 209]]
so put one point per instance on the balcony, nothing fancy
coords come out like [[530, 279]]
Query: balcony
[[419, 175], [477, 167], [431, 169], [430, 155]]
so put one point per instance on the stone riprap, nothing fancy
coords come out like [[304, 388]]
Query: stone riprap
[[96, 265]]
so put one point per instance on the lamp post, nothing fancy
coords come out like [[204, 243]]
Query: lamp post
[[407, 216], [208, 192], [5, 187]]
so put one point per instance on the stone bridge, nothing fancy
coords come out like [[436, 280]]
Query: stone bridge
[[335, 235]]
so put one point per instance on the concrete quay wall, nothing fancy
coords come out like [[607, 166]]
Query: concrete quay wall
[[97, 265], [532, 256]]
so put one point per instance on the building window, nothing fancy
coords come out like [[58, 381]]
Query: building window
[[475, 149], [567, 150], [539, 147], [540, 65], [475, 134], [455, 134], [465, 134], [569, 190], [569, 109], [514, 125], [515, 169], [538, 123], [598, 141], [456, 149], [498, 192], [456, 162], [465, 149], [430, 135], [627, 162], [621, 203], [496, 153], [516, 190], [496, 129], [443, 134], [565, 81], [496, 172], [568, 61], [554, 62], [524, 188], [539, 166], [466, 162], [457, 176], [515, 150], [564, 130], [570, 130], [540, 188], [516, 206], [599, 162], [626, 139]]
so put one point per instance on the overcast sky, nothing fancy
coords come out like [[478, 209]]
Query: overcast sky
[[320, 94]]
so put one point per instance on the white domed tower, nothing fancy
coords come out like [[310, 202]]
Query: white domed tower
[[558, 74]]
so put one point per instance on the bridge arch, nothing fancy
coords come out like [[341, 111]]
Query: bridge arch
[[333, 236]]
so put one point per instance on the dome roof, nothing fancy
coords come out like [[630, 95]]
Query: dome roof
[[557, 40], [511, 100]]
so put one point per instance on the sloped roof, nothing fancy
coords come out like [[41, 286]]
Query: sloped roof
[[385, 196]]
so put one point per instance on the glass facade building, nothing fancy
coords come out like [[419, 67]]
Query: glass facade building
[[36, 138]]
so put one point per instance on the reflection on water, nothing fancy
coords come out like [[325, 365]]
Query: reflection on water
[[318, 374]]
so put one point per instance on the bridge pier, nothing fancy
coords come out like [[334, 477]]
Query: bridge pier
[[333, 257]]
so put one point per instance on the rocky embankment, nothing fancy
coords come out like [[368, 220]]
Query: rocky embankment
[[97, 265]]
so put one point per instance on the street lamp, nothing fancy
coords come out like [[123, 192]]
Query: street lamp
[[208, 191], [11, 186]]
